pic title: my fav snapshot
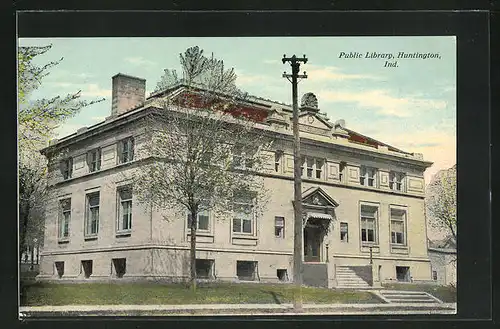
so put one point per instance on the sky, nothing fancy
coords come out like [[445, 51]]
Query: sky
[[411, 106]]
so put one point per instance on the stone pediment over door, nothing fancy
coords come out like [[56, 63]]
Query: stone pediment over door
[[318, 208], [313, 123], [318, 198]]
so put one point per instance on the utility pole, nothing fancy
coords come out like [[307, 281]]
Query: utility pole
[[298, 229]]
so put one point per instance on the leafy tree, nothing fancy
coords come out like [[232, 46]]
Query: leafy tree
[[205, 150], [441, 201], [37, 119]]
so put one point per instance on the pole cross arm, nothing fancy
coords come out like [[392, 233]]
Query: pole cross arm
[[294, 59]]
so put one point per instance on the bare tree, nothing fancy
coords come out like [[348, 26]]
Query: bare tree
[[441, 201], [32, 197], [205, 151]]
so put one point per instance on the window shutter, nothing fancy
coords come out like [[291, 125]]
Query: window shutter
[[132, 146], [89, 158], [98, 159], [119, 151]]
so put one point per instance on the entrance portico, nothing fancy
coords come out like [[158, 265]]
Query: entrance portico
[[319, 211]]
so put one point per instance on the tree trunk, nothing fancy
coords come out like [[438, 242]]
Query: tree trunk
[[23, 220], [32, 250], [193, 251]]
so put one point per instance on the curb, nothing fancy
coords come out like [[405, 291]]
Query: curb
[[233, 310]]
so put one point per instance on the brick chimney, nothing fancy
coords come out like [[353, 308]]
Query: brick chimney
[[128, 92]]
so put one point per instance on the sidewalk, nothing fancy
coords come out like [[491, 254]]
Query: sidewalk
[[235, 309]]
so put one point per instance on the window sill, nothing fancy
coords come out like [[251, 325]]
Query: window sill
[[247, 236], [366, 248], [119, 164], [90, 238], [123, 234], [400, 249], [63, 240], [201, 233]]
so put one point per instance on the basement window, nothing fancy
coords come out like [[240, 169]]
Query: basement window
[[59, 269], [403, 273], [246, 270], [119, 267], [282, 274], [87, 268], [204, 268]]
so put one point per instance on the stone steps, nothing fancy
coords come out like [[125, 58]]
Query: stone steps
[[401, 296], [348, 279]]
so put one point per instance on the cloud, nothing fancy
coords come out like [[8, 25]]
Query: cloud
[[331, 73], [93, 90], [84, 76], [66, 129], [271, 61], [436, 145], [387, 104], [139, 61], [62, 84], [249, 79]]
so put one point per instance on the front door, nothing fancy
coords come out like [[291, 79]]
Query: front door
[[312, 244]]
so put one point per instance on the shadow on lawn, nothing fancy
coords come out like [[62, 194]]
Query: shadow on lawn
[[274, 295]]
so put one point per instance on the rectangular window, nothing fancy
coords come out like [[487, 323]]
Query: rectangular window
[[277, 160], [59, 269], [243, 216], [67, 168], [396, 181], [434, 275], [342, 169], [367, 176], [282, 274], [303, 162], [92, 216], [368, 224], [246, 270], [119, 267], [310, 163], [403, 273], [87, 268], [64, 219], [243, 159], [94, 160], [125, 209], [398, 222], [202, 224], [319, 168], [344, 232], [204, 268], [279, 227], [126, 150]]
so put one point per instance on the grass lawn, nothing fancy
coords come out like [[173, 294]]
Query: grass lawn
[[36, 294], [447, 294]]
